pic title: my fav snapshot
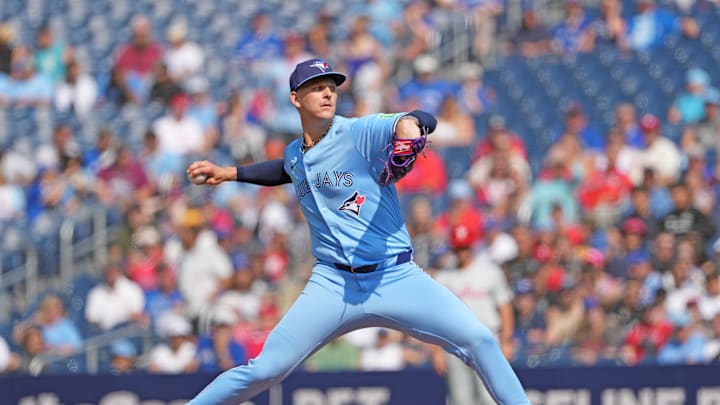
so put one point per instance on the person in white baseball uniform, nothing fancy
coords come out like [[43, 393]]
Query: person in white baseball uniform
[[482, 286]]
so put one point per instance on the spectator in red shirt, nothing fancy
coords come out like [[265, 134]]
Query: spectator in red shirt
[[646, 338], [428, 176], [498, 135], [136, 60]]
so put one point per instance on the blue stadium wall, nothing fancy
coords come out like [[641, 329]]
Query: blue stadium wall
[[682, 385]]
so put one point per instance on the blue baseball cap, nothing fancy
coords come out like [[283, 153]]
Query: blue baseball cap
[[312, 69]]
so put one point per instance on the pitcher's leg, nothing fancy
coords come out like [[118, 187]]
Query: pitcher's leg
[[314, 318], [417, 304]]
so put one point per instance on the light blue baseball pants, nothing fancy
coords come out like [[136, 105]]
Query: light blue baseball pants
[[334, 302]]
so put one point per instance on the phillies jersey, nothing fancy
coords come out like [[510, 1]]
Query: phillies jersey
[[353, 219]]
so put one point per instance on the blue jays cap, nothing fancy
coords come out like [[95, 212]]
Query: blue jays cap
[[312, 69]]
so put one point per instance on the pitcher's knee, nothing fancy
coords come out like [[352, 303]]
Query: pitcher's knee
[[270, 372], [481, 339]]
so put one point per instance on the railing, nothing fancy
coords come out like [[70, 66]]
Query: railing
[[71, 253], [92, 347]]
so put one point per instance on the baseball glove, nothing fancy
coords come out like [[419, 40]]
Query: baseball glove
[[402, 157]]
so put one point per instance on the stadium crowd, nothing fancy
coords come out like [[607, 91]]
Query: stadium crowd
[[609, 252]]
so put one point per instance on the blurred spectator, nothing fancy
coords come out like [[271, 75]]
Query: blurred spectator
[[553, 190], [413, 38], [685, 219], [178, 133], [425, 90], [32, 345], [6, 47], [76, 92], [659, 154], [428, 176], [574, 34], [177, 354], [245, 138], [203, 109], [116, 90], [455, 128], [687, 343], [533, 39], [709, 303], [165, 297], [485, 14], [59, 332], [577, 126], [260, 42], [604, 194], [712, 347], [649, 27], [708, 128], [530, 324], [184, 59], [565, 316], [461, 211], [203, 268], [479, 283], [9, 361], [367, 66], [239, 301], [164, 88], [475, 97], [684, 286], [123, 357], [499, 138], [524, 265], [611, 27], [137, 59], [320, 37], [145, 256], [125, 178], [689, 106], [284, 120], [115, 301], [338, 355], [500, 178], [627, 123], [420, 228], [216, 350], [25, 86], [12, 199], [386, 355], [51, 55], [497, 244], [591, 347], [645, 338]]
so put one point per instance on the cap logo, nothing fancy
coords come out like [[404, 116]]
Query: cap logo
[[323, 66]]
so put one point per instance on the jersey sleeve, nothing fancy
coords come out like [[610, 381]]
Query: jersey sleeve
[[373, 133]]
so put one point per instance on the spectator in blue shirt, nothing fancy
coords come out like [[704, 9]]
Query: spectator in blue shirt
[[217, 351], [689, 106], [649, 27], [577, 125], [260, 42], [166, 298], [574, 34], [426, 91], [687, 343], [59, 333]]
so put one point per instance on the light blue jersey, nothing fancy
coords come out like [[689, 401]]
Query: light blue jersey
[[353, 219]]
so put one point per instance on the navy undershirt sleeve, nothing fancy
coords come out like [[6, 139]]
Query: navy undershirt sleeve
[[269, 173]]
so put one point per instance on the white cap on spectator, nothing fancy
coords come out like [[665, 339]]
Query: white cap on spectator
[[197, 85], [425, 64], [172, 324]]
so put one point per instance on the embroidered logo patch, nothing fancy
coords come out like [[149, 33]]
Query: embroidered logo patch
[[353, 203], [322, 65]]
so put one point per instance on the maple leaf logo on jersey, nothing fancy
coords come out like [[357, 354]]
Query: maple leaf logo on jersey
[[323, 66], [353, 203]]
